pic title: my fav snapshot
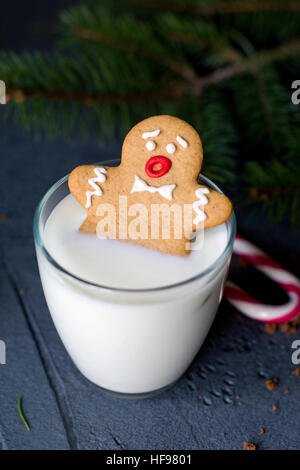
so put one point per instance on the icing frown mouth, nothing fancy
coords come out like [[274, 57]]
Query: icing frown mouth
[[157, 166]]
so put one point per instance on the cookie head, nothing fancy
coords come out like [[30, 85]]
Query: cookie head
[[162, 150]]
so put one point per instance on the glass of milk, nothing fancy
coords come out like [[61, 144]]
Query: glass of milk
[[132, 319]]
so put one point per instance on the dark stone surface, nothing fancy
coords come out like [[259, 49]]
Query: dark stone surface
[[66, 411]]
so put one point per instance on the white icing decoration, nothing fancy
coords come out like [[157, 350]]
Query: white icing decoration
[[150, 145], [202, 200], [170, 148], [165, 191], [101, 178], [182, 142], [146, 135]]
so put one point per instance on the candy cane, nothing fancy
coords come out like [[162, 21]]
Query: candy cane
[[252, 307]]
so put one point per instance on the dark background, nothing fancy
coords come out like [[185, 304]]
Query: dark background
[[64, 410]]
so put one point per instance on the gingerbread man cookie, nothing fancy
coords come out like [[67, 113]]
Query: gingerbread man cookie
[[155, 182]]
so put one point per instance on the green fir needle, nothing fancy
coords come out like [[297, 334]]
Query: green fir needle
[[22, 415]]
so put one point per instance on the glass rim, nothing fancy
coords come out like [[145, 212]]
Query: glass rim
[[39, 241]]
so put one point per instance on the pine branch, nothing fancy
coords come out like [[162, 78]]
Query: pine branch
[[116, 33], [255, 62], [226, 72], [251, 64], [267, 112], [183, 70], [247, 7], [276, 189], [124, 33], [213, 9], [218, 135], [19, 96], [199, 35], [265, 117]]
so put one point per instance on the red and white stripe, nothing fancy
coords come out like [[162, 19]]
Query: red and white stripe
[[252, 307]]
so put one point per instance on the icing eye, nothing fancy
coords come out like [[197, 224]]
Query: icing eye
[[170, 148], [150, 145], [182, 142]]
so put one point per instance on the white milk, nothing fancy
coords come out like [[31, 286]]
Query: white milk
[[114, 263], [128, 342]]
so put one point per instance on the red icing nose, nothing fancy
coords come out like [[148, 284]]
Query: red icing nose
[[157, 166]]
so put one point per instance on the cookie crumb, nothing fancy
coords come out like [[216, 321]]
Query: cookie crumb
[[274, 407], [286, 391], [249, 446], [3, 218], [296, 371], [272, 383], [21, 291], [290, 328], [270, 328], [284, 326], [223, 434], [261, 431], [296, 321]]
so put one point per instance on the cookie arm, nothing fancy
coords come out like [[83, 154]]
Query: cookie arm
[[215, 206], [79, 183]]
